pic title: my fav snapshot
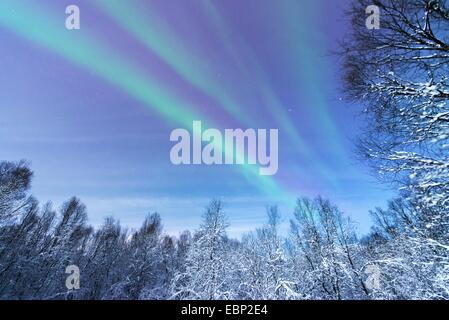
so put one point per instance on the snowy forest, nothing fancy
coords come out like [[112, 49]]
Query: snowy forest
[[397, 77]]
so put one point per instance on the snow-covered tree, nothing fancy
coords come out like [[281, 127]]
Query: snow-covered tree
[[15, 179], [105, 259], [412, 264], [327, 252], [266, 272], [399, 74], [207, 265]]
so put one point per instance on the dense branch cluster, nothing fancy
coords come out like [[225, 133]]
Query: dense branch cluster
[[400, 74]]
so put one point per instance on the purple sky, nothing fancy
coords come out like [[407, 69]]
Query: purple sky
[[269, 60]]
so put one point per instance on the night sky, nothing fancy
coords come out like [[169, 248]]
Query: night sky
[[93, 109]]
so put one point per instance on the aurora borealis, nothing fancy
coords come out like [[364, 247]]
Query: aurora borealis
[[93, 109]]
